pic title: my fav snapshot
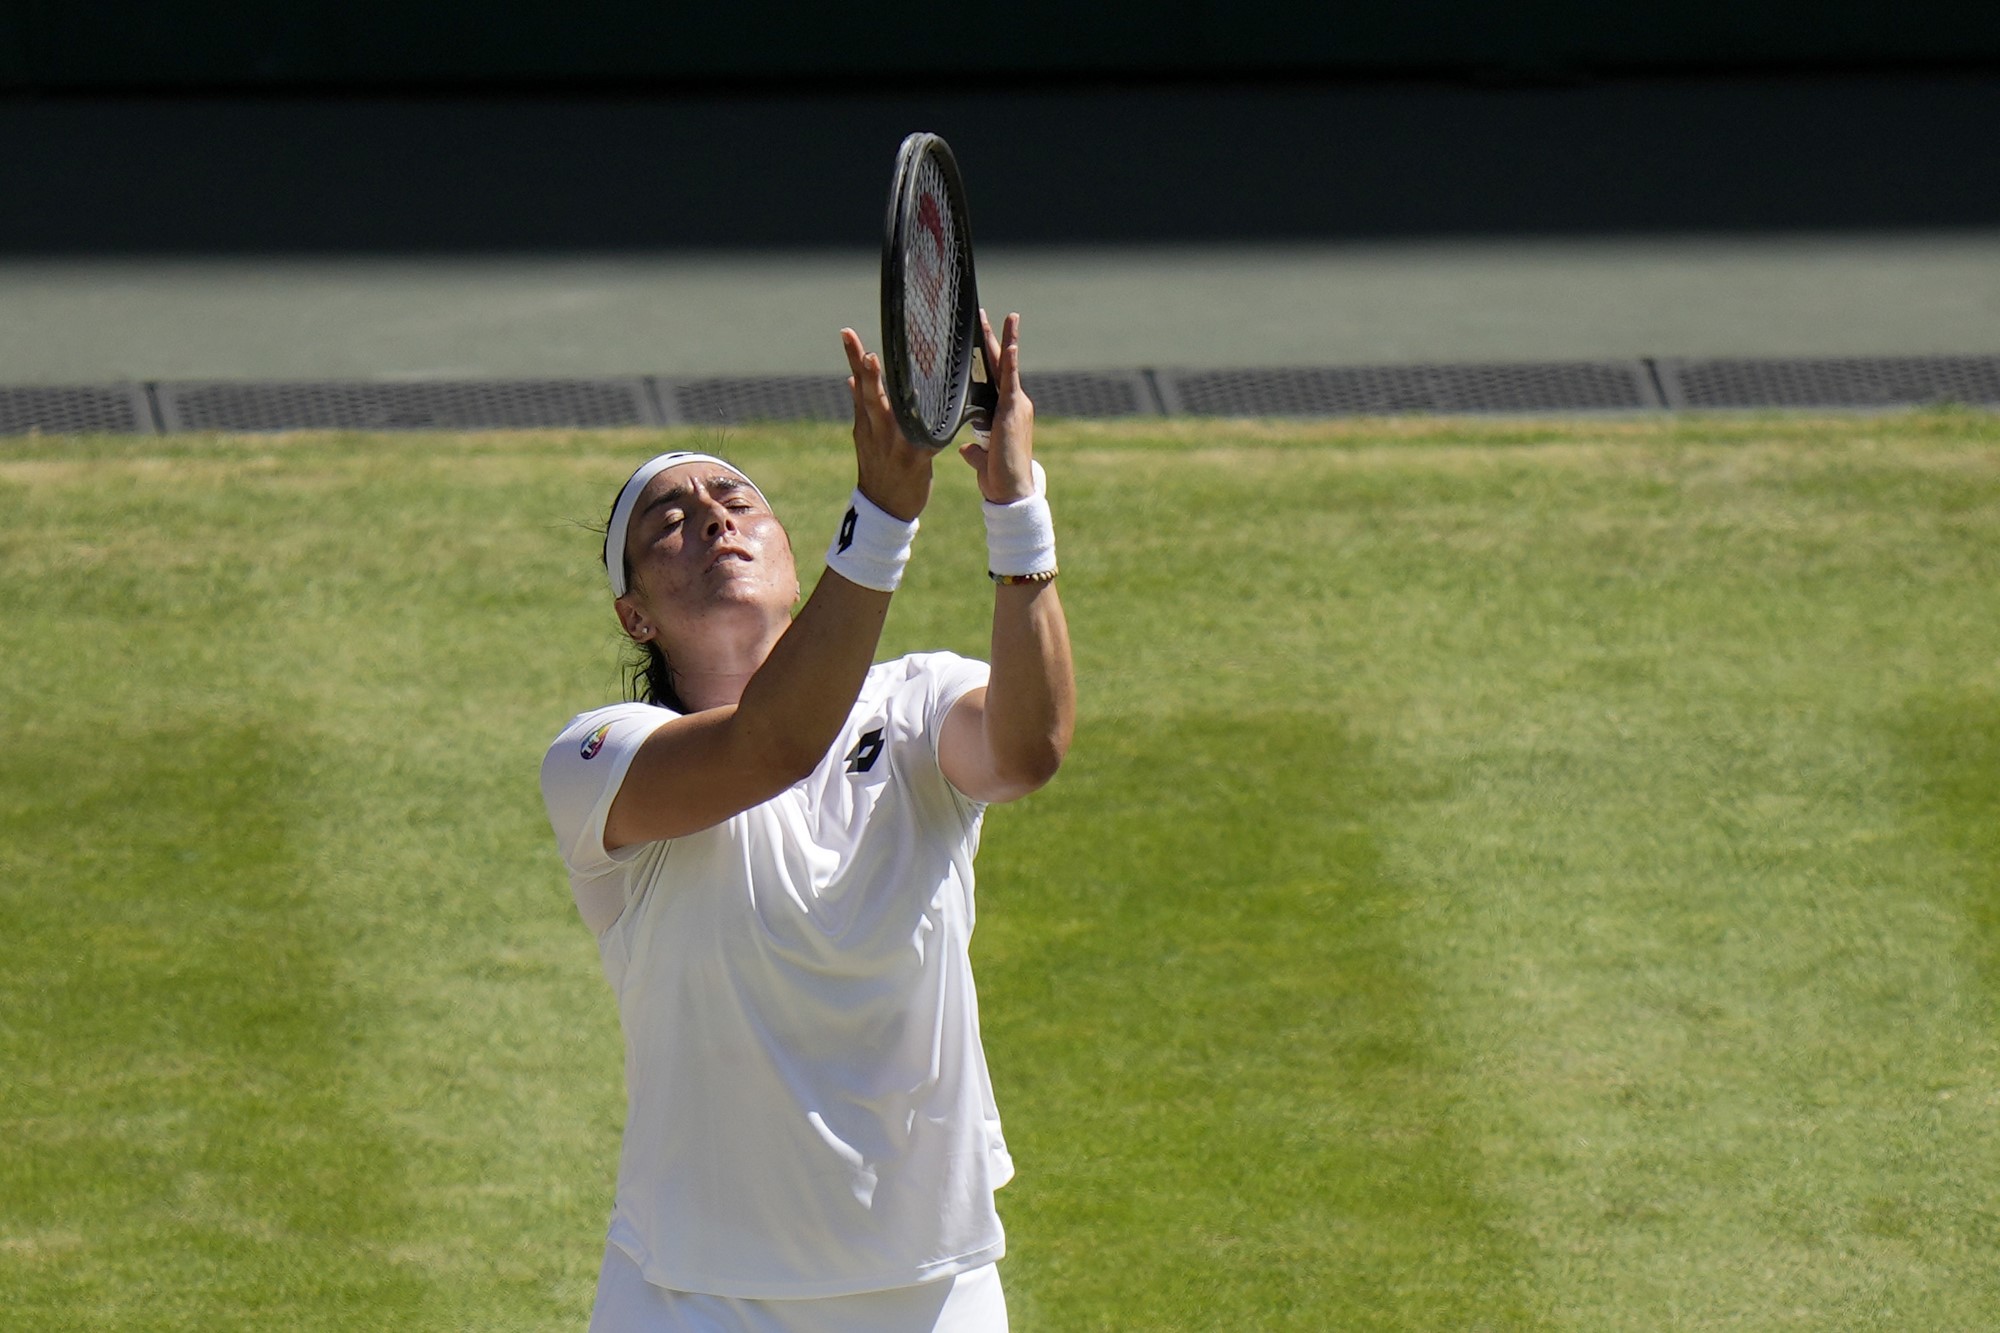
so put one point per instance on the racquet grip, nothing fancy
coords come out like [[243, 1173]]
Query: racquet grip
[[980, 400]]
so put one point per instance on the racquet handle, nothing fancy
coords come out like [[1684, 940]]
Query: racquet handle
[[980, 398]]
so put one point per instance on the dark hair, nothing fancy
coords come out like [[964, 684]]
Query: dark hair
[[649, 678]]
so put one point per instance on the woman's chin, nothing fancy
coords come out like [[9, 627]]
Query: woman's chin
[[745, 587]]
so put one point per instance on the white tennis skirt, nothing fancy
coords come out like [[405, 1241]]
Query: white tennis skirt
[[627, 1303]]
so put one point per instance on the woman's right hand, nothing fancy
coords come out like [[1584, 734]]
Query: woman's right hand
[[892, 473]]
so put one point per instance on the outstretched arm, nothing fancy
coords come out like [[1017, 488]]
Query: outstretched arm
[[698, 770], [1007, 740]]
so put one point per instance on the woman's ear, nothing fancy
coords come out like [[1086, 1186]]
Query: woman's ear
[[632, 620]]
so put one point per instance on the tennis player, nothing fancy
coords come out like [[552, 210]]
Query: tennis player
[[774, 848]]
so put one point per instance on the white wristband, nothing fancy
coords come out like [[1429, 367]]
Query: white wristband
[[1021, 537], [872, 546]]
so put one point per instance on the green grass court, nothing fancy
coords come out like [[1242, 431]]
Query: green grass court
[[1509, 876]]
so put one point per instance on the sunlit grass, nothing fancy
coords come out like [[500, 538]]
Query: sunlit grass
[[1510, 875]]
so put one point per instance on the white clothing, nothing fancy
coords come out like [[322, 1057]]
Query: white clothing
[[971, 1302], [809, 1112]]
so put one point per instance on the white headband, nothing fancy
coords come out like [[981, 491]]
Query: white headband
[[628, 499]]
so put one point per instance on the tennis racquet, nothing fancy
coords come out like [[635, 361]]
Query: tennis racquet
[[934, 360]]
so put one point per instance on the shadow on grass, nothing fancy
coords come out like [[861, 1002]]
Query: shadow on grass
[[174, 1048], [1232, 1098]]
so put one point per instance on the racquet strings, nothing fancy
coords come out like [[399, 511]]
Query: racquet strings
[[932, 272]]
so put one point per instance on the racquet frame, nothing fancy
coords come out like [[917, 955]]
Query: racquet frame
[[972, 395]]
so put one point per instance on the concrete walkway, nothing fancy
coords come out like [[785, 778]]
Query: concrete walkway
[[709, 313]]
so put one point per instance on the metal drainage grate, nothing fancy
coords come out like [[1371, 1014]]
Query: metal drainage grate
[[75, 409], [1556, 386], [1080, 393], [1552, 387], [734, 401], [418, 405], [1833, 382], [729, 402]]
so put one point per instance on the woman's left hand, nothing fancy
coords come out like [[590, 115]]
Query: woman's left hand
[[1003, 459]]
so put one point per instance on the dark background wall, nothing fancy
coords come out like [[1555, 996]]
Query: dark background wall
[[299, 44], [336, 126]]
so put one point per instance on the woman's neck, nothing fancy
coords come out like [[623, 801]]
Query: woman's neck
[[713, 671]]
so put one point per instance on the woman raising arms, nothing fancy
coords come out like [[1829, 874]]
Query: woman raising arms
[[774, 848]]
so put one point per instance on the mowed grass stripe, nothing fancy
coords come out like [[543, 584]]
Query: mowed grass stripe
[[180, 1151], [1950, 744], [1231, 1089], [1699, 935], [1512, 875], [1633, 672]]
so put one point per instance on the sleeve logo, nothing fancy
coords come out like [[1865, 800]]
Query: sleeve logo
[[594, 742]]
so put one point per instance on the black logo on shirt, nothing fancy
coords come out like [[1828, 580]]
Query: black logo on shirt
[[847, 530], [863, 756]]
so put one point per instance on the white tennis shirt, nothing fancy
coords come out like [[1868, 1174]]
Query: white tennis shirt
[[808, 1107]]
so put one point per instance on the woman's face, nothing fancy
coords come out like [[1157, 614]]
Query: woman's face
[[701, 543]]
